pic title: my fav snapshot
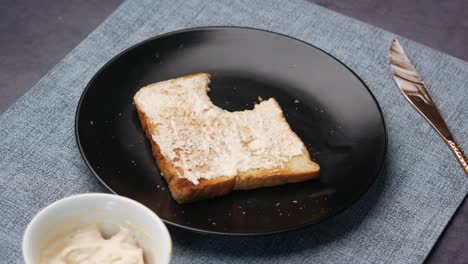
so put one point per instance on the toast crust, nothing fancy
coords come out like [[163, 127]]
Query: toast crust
[[184, 191]]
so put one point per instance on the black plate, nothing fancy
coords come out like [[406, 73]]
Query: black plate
[[337, 117]]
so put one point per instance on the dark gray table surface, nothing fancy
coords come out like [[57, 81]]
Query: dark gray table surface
[[35, 35]]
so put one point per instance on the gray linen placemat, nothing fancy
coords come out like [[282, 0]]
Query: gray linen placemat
[[397, 221]]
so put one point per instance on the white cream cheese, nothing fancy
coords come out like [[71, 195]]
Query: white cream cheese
[[87, 246], [206, 141]]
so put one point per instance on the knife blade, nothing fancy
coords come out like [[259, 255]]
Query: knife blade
[[413, 88]]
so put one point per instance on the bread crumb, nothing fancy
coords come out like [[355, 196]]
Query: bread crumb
[[280, 214], [260, 98], [214, 223], [297, 101], [277, 204], [294, 201], [91, 122], [243, 212]]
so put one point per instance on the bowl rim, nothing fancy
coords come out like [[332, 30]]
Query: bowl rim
[[26, 247]]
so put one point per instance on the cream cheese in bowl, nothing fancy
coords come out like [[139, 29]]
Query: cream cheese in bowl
[[87, 245], [96, 228]]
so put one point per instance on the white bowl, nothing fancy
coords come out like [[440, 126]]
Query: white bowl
[[109, 212]]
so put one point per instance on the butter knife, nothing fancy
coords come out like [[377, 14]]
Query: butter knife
[[415, 91]]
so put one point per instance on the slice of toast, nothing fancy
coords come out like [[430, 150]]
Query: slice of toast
[[204, 151]]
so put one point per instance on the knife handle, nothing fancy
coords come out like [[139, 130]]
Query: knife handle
[[456, 149]]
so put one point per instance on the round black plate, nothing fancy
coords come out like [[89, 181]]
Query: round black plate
[[336, 117]]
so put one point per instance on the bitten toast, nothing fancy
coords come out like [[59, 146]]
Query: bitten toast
[[203, 151]]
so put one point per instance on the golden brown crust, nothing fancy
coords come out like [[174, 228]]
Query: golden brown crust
[[267, 178], [195, 75], [184, 191]]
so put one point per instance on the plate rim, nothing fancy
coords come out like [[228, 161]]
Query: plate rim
[[237, 234]]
